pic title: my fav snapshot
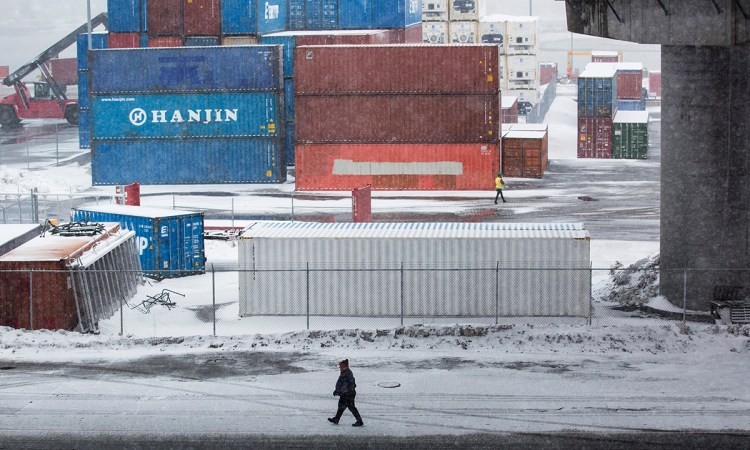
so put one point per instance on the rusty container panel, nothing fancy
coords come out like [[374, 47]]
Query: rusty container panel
[[413, 34], [525, 154], [64, 70], [547, 72], [202, 17], [397, 69], [629, 84], [397, 166], [168, 41], [397, 118], [124, 40], [595, 137], [165, 18], [510, 109], [654, 84]]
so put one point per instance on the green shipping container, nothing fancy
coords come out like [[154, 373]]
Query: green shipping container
[[630, 135]]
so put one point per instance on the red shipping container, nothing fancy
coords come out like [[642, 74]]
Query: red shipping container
[[525, 154], [362, 204], [124, 40], [64, 70], [397, 118], [53, 301], [629, 84], [348, 37], [595, 137], [4, 71], [165, 18], [606, 57], [654, 84], [397, 166], [396, 69], [413, 34], [547, 72], [202, 17], [165, 41], [510, 109]]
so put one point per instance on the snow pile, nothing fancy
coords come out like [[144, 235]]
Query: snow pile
[[636, 285]]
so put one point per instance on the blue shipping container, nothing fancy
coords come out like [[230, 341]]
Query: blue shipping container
[[297, 18], [631, 105], [597, 97], [250, 68], [252, 114], [272, 16], [289, 143], [201, 41], [238, 17], [289, 41], [372, 14], [144, 40], [289, 100], [125, 16], [83, 89], [84, 130], [321, 14], [209, 161], [98, 41], [170, 243]]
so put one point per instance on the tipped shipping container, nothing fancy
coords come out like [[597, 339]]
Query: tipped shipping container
[[166, 18], [126, 16], [202, 17], [13, 236], [595, 137], [98, 41], [175, 116], [525, 153], [170, 242], [630, 135], [597, 92], [195, 161], [238, 17], [187, 70], [397, 118], [396, 166], [397, 69], [76, 280], [507, 277], [124, 40]]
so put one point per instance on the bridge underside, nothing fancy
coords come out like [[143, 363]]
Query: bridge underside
[[705, 170]]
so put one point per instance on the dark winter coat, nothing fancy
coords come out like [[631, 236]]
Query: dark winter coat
[[345, 386]]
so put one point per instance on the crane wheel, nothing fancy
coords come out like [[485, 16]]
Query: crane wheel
[[71, 114], [8, 116]]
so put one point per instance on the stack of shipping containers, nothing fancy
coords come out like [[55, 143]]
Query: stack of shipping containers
[[450, 21], [630, 87], [187, 115], [98, 41], [292, 39], [630, 135], [127, 23], [597, 104], [654, 84], [430, 119]]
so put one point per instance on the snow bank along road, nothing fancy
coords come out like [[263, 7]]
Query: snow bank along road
[[458, 386]]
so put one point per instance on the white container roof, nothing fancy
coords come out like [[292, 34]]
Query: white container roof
[[14, 231], [524, 134], [508, 100], [604, 53], [414, 230], [324, 33], [508, 18], [631, 117], [136, 211], [598, 70]]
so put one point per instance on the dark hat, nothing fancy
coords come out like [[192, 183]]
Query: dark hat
[[344, 362]]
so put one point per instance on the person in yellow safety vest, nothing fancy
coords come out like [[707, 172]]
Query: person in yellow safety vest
[[499, 187]]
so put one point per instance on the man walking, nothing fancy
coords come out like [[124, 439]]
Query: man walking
[[499, 184], [345, 390]]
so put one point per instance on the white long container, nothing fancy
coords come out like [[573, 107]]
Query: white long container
[[522, 35], [435, 10], [522, 68], [464, 32], [435, 32], [414, 269], [493, 30], [463, 9]]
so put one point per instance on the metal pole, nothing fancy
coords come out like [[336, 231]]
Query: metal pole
[[402, 294], [497, 291], [213, 293], [233, 213], [31, 299], [57, 147], [591, 293], [684, 294], [530, 13], [292, 206], [307, 293], [88, 20], [27, 156]]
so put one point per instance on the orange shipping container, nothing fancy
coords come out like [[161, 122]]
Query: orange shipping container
[[397, 166], [168, 41], [525, 153]]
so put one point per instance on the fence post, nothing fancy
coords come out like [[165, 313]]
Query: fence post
[[307, 293], [684, 294], [34, 206], [402, 293], [31, 299], [292, 206], [213, 295], [57, 147], [232, 212], [591, 293], [497, 291]]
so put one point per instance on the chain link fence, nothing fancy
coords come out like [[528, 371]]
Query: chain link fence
[[230, 301], [36, 207]]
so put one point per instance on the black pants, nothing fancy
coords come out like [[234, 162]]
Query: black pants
[[499, 194], [344, 403]]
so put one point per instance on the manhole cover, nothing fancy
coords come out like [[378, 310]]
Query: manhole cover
[[389, 384]]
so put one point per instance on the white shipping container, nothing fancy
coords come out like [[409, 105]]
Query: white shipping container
[[464, 32], [523, 84], [525, 96], [493, 30], [435, 10], [464, 9], [376, 269], [435, 32], [522, 68]]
